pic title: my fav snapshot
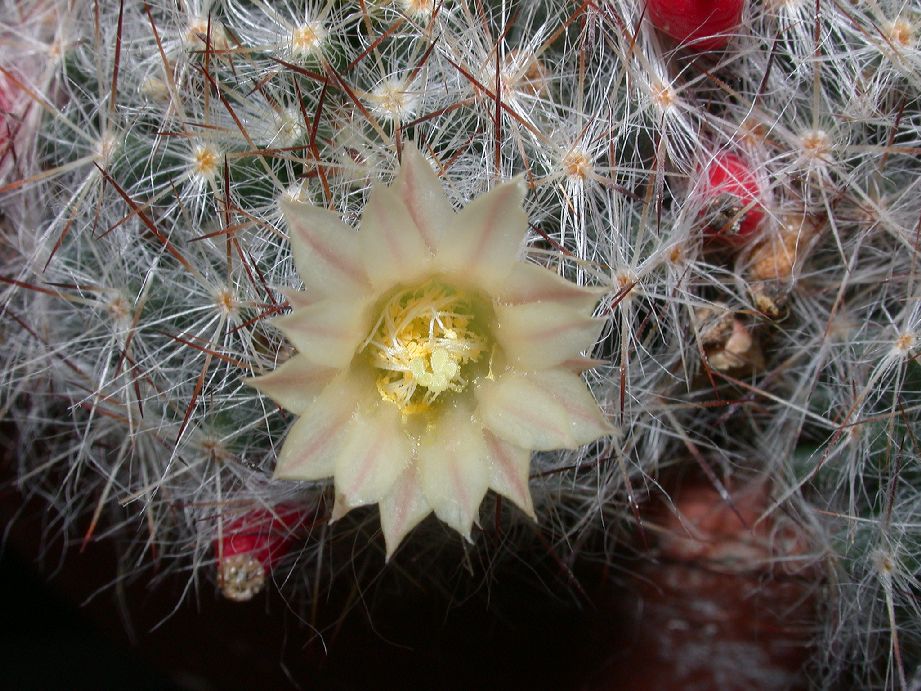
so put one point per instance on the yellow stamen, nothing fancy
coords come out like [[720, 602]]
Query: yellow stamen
[[421, 342]]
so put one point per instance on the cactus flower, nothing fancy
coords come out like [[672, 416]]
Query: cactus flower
[[432, 360]]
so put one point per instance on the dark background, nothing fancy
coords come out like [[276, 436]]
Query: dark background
[[67, 627], [671, 621]]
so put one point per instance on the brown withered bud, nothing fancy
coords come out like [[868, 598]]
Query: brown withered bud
[[773, 263], [727, 341]]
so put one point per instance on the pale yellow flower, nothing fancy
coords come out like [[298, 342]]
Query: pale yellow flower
[[432, 361]]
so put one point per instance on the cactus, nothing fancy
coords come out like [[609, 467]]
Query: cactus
[[145, 148]]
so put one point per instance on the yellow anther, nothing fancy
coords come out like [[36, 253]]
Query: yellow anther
[[421, 342]]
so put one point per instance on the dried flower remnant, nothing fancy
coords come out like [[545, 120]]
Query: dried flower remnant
[[727, 341], [523, 76], [203, 33], [772, 264], [525, 72], [419, 9], [253, 544], [431, 361]]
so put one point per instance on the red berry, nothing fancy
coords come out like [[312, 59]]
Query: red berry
[[701, 24], [733, 200], [253, 544]]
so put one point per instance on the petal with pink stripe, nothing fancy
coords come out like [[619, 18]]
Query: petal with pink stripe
[[535, 335], [295, 384], [374, 455], [509, 467], [532, 283], [543, 410], [392, 248], [403, 508], [453, 467], [327, 333], [326, 251], [422, 194], [314, 441], [484, 239]]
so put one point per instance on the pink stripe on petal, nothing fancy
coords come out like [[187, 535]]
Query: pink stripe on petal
[[393, 250], [510, 467], [326, 251], [511, 410], [402, 509], [580, 364], [532, 283], [491, 228], [485, 237], [453, 468], [294, 384], [313, 442], [373, 456], [537, 335], [422, 194], [544, 410], [587, 421], [364, 468], [327, 332]]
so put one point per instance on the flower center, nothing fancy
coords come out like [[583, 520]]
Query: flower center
[[422, 341]]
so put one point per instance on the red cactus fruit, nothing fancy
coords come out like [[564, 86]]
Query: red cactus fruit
[[733, 207], [253, 544], [700, 24]]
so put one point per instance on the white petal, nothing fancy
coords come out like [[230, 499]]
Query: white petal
[[580, 364], [532, 283], [510, 467], [328, 332], [375, 453], [326, 251], [423, 195], [453, 467], [535, 335], [543, 410], [294, 384], [586, 420], [299, 298], [403, 508], [484, 239], [392, 247], [340, 508], [313, 442]]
